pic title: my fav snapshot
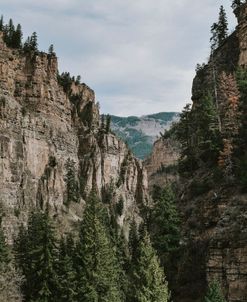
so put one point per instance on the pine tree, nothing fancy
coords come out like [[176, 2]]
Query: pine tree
[[71, 183], [97, 269], [17, 37], [214, 293], [165, 222], [10, 32], [149, 283], [108, 123], [1, 23], [66, 272], [184, 130], [37, 258], [222, 26], [214, 37], [219, 30], [34, 42], [51, 50]]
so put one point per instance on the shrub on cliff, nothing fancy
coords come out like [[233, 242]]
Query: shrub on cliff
[[214, 293]]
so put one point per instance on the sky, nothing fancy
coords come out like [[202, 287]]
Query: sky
[[139, 56]]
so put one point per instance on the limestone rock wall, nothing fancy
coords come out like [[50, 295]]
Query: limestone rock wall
[[41, 128]]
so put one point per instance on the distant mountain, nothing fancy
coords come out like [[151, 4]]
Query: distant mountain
[[141, 132]]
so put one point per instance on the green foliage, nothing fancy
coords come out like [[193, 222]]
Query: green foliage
[[120, 206], [71, 183], [148, 283], [219, 30], [108, 123], [36, 255], [165, 222], [51, 50], [4, 249], [31, 44], [67, 283], [12, 36], [65, 80], [214, 293], [198, 133], [97, 268], [10, 283]]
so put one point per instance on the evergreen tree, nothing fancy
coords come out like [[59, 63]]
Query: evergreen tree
[[219, 30], [222, 26], [65, 80], [165, 230], [78, 80], [183, 131], [66, 272], [34, 42], [26, 46], [51, 50], [214, 37], [133, 242], [37, 258], [149, 283], [10, 29], [108, 123], [214, 293], [1, 23], [17, 37], [71, 183], [97, 269]]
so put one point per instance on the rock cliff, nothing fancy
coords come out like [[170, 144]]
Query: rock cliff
[[161, 165], [214, 212], [48, 138]]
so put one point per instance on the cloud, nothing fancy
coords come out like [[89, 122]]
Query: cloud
[[138, 56]]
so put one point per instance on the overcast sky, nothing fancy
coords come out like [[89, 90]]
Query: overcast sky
[[138, 55]]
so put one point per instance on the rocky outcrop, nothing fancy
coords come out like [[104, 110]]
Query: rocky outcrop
[[161, 165], [42, 129]]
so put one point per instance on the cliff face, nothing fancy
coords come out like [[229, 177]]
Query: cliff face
[[161, 164], [42, 130], [213, 214]]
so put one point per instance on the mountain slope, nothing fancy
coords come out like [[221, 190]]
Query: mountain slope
[[141, 132]]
